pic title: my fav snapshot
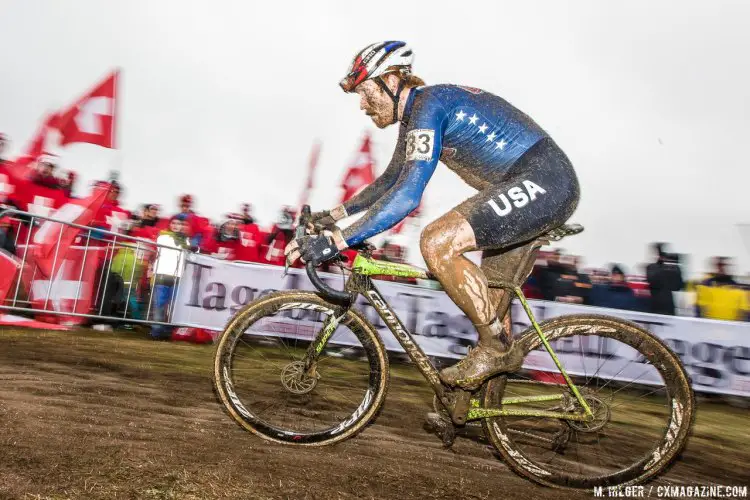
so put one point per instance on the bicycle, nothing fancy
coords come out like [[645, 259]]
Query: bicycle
[[329, 374]]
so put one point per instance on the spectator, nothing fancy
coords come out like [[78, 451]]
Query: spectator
[[251, 239], [167, 271], [548, 276], [224, 241], [149, 224], [531, 288], [113, 197], [247, 216], [196, 225], [571, 286], [7, 241], [111, 216], [68, 183], [151, 215], [720, 296], [615, 293], [281, 234], [44, 175], [664, 277], [583, 282]]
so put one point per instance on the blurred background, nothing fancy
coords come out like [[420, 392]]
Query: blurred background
[[228, 103]]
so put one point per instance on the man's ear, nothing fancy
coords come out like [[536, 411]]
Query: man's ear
[[390, 79]]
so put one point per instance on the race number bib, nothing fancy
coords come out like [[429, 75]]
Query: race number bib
[[420, 144]]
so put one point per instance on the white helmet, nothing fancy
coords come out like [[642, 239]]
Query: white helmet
[[376, 60]]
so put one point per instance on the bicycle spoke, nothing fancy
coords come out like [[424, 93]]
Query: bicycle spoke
[[628, 413], [268, 373]]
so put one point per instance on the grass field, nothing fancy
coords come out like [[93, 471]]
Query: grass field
[[113, 415]]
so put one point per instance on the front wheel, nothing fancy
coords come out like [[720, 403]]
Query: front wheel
[[636, 387], [274, 383]]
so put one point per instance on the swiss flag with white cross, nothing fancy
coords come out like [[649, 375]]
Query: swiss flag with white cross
[[91, 119]]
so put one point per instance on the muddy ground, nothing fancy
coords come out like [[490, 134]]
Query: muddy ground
[[103, 415]]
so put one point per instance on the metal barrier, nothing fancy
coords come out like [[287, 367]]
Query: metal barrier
[[105, 257]]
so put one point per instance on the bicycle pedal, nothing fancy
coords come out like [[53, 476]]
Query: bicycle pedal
[[441, 426]]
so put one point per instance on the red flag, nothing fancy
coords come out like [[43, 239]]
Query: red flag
[[20, 168], [312, 165], [74, 285], [38, 200], [360, 173], [50, 233], [92, 118], [9, 266], [112, 217]]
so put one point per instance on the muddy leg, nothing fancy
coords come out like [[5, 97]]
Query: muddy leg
[[498, 299], [443, 244]]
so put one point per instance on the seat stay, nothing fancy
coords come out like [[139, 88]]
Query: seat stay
[[551, 352]]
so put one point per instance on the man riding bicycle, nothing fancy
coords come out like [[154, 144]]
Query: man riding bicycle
[[526, 187]]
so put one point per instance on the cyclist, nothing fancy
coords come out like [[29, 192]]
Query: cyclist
[[526, 186]]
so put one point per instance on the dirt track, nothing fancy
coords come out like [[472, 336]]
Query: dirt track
[[93, 415]]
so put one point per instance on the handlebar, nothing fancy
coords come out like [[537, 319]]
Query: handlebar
[[326, 291]]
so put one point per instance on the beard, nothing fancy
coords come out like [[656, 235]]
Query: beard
[[381, 119]]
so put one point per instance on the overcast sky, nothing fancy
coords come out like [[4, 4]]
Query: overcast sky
[[650, 100]]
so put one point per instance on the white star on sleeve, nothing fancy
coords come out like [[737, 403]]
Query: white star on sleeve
[[460, 115], [473, 119], [501, 144], [491, 137], [483, 127]]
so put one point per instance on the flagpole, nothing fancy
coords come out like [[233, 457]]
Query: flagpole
[[311, 167], [116, 143]]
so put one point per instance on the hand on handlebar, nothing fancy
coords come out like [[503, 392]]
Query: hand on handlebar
[[315, 248], [307, 247]]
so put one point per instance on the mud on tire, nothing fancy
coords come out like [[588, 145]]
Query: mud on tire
[[243, 412], [680, 406]]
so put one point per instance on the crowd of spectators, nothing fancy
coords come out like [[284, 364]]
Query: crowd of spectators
[[718, 295], [556, 277]]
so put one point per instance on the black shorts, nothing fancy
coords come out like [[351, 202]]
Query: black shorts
[[538, 193]]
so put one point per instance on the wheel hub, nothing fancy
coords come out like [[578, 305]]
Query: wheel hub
[[295, 379], [599, 409]]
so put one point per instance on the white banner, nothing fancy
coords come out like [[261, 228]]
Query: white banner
[[715, 353]]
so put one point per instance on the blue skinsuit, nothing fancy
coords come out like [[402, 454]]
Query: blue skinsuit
[[478, 135]]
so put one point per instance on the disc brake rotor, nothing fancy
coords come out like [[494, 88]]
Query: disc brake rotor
[[296, 380], [601, 412]]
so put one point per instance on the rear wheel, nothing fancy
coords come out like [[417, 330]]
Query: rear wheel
[[265, 381], [635, 385]]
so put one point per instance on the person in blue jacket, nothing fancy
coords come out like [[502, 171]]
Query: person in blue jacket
[[526, 186]]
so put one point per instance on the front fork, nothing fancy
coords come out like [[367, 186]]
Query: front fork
[[321, 339]]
